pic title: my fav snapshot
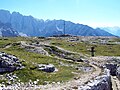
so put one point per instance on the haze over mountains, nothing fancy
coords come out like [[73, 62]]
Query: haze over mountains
[[30, 26], [113, 30]]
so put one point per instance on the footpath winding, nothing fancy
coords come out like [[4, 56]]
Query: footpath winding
[[74, 83]]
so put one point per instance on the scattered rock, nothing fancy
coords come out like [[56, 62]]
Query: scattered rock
[[45, 83], [46, 68], [85, 68]]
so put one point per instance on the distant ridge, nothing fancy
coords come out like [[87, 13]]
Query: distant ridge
[[30, 26]]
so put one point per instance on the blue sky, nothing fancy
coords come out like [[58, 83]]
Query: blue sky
[[90, 12]]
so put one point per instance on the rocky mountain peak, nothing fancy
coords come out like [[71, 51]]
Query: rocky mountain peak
[[31, 26]]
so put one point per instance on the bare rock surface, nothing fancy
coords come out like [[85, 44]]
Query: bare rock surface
[[46, 68]]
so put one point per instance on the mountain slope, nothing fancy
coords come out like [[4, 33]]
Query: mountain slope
[[74, 29], [7, 31], [23, 24], [30, 26]]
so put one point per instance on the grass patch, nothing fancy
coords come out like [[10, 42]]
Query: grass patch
[[83, 47], [32, 59]]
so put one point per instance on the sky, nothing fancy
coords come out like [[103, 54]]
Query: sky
[[95, 13]]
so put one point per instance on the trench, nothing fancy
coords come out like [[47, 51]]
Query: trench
[[115, 82], [107, 80]]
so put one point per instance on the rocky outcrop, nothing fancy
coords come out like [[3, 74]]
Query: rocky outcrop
[[9, 63], [102, 82]]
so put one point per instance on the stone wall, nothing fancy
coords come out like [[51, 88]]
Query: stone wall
[[118, 72], [102, 82]]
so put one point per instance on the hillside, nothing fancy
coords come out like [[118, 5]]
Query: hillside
[[31, 26]]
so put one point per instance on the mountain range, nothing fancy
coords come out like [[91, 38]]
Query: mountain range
[[30, 26], [7, 31]]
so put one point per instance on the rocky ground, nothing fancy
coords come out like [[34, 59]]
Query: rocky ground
[[78, 83], [104, 74]]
